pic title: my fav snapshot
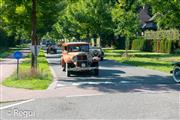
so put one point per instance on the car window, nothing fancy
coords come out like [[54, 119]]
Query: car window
[[81, 48], [74, 48], [85, 48]]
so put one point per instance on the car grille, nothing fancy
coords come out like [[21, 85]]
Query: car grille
[[81, 59]]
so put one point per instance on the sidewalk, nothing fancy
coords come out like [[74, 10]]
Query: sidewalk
[[15, 94], [8, 65]]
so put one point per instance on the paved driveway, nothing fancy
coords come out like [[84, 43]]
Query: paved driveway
[[114, 77]]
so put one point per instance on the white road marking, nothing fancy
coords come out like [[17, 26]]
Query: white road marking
[[19, 103], [91, 83], [76, 84], [85, 95], [60, 85]]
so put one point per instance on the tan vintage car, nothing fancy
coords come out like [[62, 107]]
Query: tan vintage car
[[76, 57]]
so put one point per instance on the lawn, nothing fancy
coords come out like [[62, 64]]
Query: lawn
[[29, 80], [150, 60]]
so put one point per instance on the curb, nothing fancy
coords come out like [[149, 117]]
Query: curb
[[54, 83]]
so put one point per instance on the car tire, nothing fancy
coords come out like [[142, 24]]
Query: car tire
[[176, 74], [67, 71], [102, 58]]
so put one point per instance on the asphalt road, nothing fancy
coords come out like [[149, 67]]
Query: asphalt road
[[114, 77], [125, 92], [110, 106]]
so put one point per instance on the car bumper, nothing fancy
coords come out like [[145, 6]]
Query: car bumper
[[82, 68]]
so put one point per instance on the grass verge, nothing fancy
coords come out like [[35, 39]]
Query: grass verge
[[28, 80], [150, 60]]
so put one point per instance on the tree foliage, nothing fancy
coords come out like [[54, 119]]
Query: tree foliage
[[83, 18]]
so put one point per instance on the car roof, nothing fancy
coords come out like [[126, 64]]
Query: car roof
[[75, 43]]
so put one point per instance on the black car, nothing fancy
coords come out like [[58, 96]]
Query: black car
[[52, 49], [97, 51]]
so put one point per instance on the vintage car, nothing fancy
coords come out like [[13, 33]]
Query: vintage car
[[76, 57], [97, 52]]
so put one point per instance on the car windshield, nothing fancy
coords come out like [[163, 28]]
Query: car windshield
[[80, 48], [95, 48]]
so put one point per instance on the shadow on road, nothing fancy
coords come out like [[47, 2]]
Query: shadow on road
[[117, 77], [112, 81], [136, 84]]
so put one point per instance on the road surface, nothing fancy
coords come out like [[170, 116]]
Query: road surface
[[123, 92]]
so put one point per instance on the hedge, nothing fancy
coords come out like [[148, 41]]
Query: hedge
[[166, 46], [142, 45]]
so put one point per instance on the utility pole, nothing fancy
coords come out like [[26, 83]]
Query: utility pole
[[34, 36]]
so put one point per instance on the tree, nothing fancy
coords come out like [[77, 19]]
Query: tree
[[28, 18], [86, 18], [125, 17], [167, 13]]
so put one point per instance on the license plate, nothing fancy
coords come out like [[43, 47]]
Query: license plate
[[83, 65]]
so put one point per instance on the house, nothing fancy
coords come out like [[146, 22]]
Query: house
[[146, 21]]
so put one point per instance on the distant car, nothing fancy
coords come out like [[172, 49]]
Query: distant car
[[97, 52], [52, 49], [76, 57], [43, 44]]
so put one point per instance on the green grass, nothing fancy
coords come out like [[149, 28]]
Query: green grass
[[28, 80], [150, 60]]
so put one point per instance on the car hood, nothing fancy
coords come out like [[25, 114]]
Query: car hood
[[72, 54]]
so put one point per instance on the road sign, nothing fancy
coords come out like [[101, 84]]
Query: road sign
[[35, 49], [18, 55]]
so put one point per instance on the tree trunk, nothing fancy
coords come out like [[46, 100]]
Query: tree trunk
[[127, 47], [34, 36]]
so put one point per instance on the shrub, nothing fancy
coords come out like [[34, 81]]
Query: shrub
[[142, 45], [137, 44], [166, 46]]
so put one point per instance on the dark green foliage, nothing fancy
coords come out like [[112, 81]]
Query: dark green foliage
[[137, 44], [142, 44], [119, 42], [166, 46], [154, 46]]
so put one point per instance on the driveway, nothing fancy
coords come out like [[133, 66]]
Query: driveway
[[114, 77]]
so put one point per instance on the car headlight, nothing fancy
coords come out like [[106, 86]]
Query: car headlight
[[89, 57], [74, 59]]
